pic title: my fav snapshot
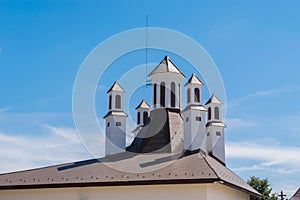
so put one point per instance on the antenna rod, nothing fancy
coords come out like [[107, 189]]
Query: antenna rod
[[146, 48]]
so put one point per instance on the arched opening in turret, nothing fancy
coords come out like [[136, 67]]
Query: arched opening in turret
[[118, 101], [209, 113], [154, 93], [173, 96], [145, 117], [138, 118], [109, 101], [197, 95], [162, 94], [188, 95], [217, 113]]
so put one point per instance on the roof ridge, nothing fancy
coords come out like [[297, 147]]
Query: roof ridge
[[232, 173], [204, 157], [116, 87], [143, 102], [166, 66]]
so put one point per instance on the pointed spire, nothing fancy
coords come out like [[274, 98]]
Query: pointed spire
[[213, 99], [166, 65], [194, 80], [143, 104], [116, 87]]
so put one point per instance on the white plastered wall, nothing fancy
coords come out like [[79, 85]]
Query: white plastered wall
[[194, 131], [157, 192]]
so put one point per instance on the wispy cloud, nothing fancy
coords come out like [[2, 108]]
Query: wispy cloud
[[236, 123], [29, 140], [263, 93], [102, 87], [4, 109], [236, 101], [60, 145], [266, 155], [68, 134], [280, 164]]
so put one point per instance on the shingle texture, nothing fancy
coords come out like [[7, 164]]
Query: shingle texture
[[213, 99], [137, 169], [143, 104], [116, 87], [296, 196], [194, 80], [166, 65], [162, 132]]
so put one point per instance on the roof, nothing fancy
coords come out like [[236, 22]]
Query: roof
[[215, 123], [162, 132], [194, 80], [166, 65], [296, 196], [143, 104], [138, 169], [116, 87], [213, 99], [115, 113], [195, 107], [136, 130]]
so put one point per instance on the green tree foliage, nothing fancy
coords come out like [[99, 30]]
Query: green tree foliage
[[263, 187]]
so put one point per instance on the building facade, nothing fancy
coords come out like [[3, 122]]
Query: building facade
[[177, 152]]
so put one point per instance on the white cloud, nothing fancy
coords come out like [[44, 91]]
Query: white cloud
[[4, 109], [24, 152], [262, 93], [280, 164], [102, 87], [68, 134], [29, 140], [267, 155], [236, 123]]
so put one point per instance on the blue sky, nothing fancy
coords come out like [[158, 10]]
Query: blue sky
[[255, 45]]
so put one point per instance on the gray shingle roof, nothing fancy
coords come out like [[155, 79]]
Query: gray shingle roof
[[296, 196], [213, 99], [115, 113], [116, 87], [143, 104], [194, 80], [138, 169], [163, 132], [195, 107], [166, 65], [215, 123]]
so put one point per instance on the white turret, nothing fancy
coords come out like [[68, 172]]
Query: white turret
[[194, 117], [142, 111], [166, 79], [215, 129], [115, 121]]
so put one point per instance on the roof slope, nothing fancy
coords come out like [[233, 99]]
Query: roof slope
[[296, 196], [194, 80], [213, 99], [162, 132], [143, 104], [116, 87], [137, 169], [166, 65]]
